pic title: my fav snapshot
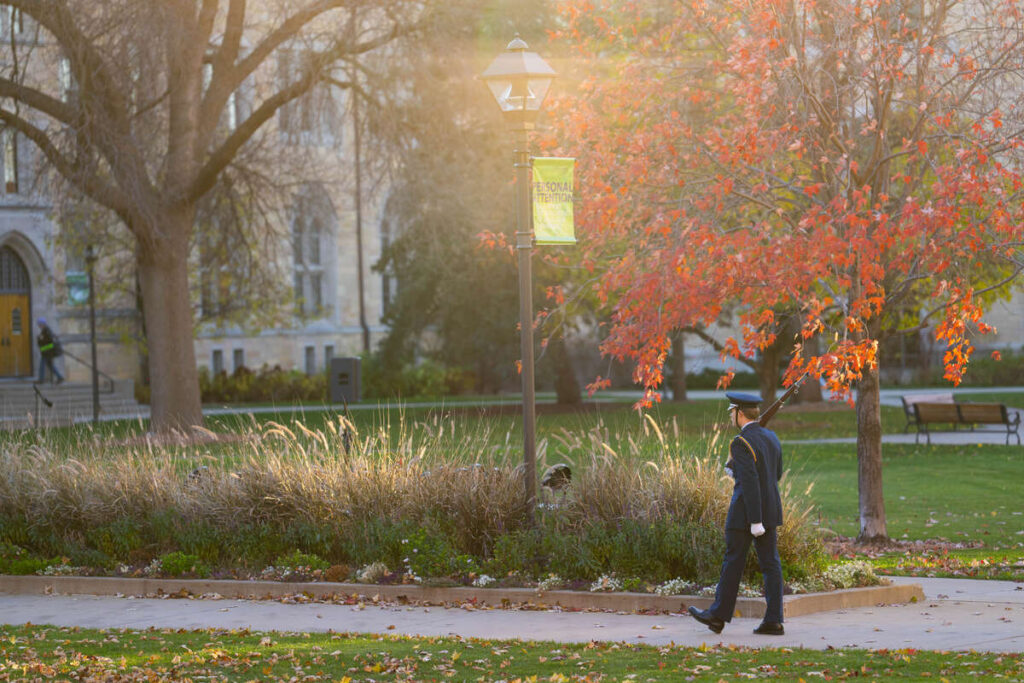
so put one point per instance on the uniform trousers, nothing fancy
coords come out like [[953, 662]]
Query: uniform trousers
[[737, 545]]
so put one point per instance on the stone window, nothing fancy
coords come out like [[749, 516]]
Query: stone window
[[313, 229], [310, 360], [14, 21], [10, 158]]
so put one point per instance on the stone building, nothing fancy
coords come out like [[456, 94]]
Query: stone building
[[326, 245]]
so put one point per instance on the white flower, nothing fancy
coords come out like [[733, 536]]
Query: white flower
[[851, 574], [675, 587], [551, 582], [606, 583], [483, 581]]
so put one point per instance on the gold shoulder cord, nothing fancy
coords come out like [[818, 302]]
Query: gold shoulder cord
[[748, 446]]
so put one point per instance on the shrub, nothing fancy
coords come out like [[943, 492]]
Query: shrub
[[183, 564], [985, 371], [268, 384], [425, 379], [301, 561], [708, 379], [432, 554], [116, 539], [15, 560]]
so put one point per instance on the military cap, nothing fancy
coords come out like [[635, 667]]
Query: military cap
[[738, 399]]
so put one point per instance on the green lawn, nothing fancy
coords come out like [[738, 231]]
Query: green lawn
[[957, 493], [693, 418], [39, 652]]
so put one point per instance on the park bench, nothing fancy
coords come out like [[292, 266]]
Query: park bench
[[909, 401], [970, 414]]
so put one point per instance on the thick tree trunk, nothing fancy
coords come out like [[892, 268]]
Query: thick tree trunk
[[174, 380], [768, 372], [677, 367], [869, 460], [567, 388]]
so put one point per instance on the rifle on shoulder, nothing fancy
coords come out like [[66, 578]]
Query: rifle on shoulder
[[768, 414]]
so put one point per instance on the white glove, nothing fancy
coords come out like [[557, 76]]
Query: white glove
[[728, 470], [757, 529]]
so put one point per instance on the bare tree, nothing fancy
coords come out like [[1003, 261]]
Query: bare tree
[[134, 104]]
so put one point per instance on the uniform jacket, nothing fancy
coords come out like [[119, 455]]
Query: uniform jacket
[[755, 457]]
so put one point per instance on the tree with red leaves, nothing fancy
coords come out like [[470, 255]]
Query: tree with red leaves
[[845, 160]]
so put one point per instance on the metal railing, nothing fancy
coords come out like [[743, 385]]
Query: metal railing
[[39, 397], [106, 378]]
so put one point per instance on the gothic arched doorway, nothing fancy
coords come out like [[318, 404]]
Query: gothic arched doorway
[[15, 316]]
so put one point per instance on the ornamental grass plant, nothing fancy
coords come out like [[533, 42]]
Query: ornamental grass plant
[[429, 500]]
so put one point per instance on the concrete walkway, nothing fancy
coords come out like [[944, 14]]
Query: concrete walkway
[[958, 614], [964, 437]]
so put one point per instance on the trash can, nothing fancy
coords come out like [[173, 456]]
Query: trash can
[[343, 380]]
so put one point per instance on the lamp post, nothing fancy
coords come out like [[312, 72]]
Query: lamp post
[[90, 263], [519, 81]]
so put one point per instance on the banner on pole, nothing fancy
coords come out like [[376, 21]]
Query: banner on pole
[[552, 200]]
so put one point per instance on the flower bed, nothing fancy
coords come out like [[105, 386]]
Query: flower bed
[[294, 504]]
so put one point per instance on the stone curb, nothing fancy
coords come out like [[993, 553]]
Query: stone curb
[[793, 605]]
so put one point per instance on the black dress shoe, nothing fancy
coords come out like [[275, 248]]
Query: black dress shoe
[[770, 628], [707, 618]]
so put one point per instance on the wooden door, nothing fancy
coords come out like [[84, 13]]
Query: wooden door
[[15, 316], [15, 336]]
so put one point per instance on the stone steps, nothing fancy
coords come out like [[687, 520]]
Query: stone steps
[[72, 402]]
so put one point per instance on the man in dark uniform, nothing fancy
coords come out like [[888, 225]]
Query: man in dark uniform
[[755, 513]]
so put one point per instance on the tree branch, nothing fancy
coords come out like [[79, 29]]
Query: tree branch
[[206, 178], [87, 63], [287, 30], [207, 17], [101, 101], [88, 183], [715, 344], [314, 73], [1002, 283], [234, 26], [40, 101]]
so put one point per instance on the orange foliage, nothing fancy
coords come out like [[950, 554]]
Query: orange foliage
[[812, 156]]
